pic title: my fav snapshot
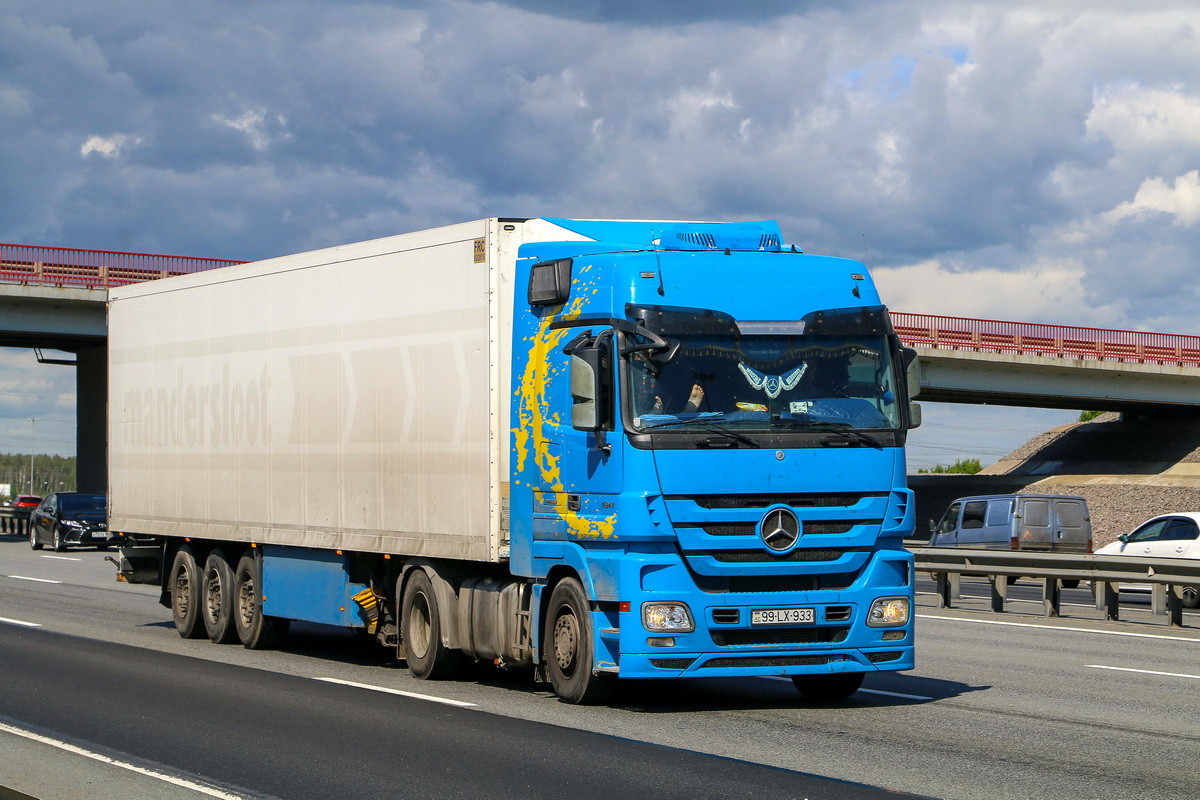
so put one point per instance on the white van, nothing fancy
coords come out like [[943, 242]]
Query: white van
[[1051, 523]]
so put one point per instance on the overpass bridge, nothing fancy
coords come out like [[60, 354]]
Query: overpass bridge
[[54, 298]]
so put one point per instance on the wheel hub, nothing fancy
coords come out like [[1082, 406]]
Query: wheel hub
[[566, 641]]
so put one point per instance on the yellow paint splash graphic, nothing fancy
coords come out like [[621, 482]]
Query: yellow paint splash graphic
[[536, 420]]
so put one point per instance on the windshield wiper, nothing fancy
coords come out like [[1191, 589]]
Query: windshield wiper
[[707, 422], [841, 428]]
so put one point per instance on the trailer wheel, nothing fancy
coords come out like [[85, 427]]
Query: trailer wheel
[[185, 594], [568, 646], [421, 632], [217, 599], [828, 688], [255, 630]]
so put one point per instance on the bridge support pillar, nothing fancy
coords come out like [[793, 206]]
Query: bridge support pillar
[[91, 422]]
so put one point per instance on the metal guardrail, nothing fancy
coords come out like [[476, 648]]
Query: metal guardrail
[[14, 520], [1167, 577], [1062, 341]]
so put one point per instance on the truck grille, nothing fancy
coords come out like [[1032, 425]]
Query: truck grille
[[728, 638], [763, 557], [809, 527], [763, 501], [749, 584], [766, 661], [726, 616]]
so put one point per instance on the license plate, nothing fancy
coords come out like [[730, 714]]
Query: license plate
[[782, 616], [99, 535]]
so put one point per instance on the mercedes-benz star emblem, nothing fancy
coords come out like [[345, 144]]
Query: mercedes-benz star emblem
[[779, 529]]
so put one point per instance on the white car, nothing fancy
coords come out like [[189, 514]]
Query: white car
[[1165, 536]]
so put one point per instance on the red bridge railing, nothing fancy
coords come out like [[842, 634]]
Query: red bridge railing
[[1062, 341], [68, 266]]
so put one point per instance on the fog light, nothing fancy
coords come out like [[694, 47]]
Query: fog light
[[888, 611], [661, 641], [667, 617]]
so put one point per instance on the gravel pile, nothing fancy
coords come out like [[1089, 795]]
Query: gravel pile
[[1108, 446], [1119, 508]]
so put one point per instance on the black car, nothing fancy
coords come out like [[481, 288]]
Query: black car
[[64, 519]]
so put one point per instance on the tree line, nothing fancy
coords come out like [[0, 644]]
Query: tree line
[[50, 473]]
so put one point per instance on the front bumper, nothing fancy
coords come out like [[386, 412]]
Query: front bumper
[[725, 642], [90, 537]]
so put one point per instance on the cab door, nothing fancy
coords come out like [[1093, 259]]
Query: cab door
[[945, 533]]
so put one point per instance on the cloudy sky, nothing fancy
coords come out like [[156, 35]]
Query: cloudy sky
[[1029, 161]]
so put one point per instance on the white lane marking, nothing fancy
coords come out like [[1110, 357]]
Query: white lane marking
[[386, 690], [1144, 671], [22, 623], [35, 580], [63, 558], [896, 694], [1061, 628], [868, 691], [79, 751]]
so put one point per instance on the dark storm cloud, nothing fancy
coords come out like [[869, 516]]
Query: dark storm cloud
[[665, 12]]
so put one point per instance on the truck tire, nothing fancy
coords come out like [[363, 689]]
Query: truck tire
[[828, 688], [217, 599], [568, 647], [185, 594], [1191, 597], [255, 630], [421, 631]]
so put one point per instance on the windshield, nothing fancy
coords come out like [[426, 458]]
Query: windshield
[[767, 382], [83, 503]]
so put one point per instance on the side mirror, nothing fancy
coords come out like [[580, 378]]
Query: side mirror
[[591, 384], [912, 379], [585, 390], [914, 415], [550, 283], [1124, 537]]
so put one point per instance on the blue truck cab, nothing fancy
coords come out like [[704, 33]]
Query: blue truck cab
[[707, 463]]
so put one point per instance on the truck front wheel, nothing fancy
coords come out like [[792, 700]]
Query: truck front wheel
[[185, 594], [568, 649], [421, 631]]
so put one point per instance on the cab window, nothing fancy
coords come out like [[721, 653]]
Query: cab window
[[949, 519], [999, 511], [1180, 530], [973, 514], [1150, 532]]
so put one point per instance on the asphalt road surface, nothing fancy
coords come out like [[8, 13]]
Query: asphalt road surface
[[1000, 706]]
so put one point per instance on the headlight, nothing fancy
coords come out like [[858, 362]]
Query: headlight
[[667, 617], [888, 611], [70, 523]]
